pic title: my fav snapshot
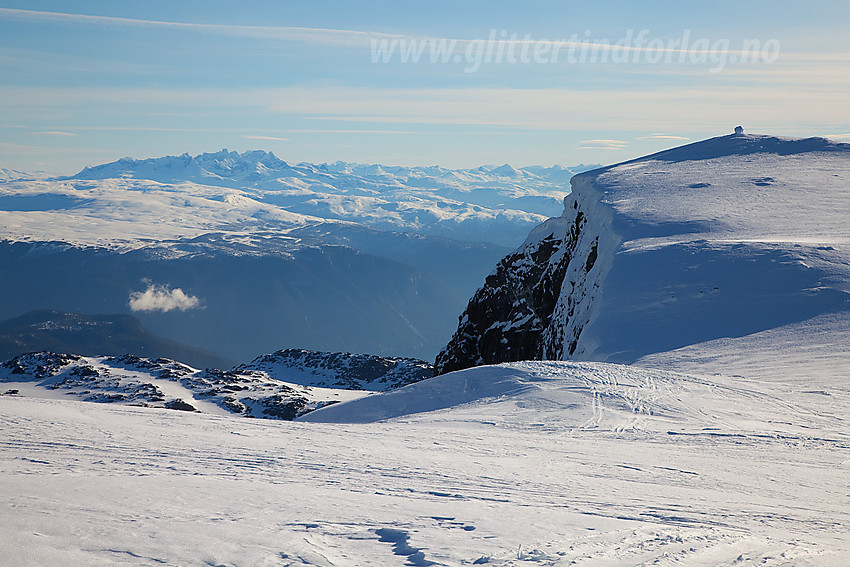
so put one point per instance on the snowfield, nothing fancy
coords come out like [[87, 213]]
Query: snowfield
[[535, 463]]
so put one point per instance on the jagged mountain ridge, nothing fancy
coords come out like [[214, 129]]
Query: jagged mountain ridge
[[281, 385], [721, 238]]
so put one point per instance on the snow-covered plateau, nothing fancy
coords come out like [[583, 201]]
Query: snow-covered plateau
[[719, 239], [703, 419]]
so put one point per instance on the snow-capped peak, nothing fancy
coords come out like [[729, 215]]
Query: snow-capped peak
[[505, 170], [11, 174], [201, 168]]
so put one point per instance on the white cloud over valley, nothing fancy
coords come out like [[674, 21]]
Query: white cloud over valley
[[162, 298]]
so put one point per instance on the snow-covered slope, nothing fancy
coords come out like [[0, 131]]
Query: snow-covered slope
[[11, 174], [609, 397], [813, 353], [722, 238], [727, 238], [541, 463]]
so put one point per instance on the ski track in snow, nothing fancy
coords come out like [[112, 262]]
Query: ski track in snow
[[557, 464]]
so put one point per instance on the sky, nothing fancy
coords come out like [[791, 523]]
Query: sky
[[458, 84]]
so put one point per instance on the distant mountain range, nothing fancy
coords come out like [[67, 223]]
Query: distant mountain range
[[11, 174], [268, 255], [486, 204]]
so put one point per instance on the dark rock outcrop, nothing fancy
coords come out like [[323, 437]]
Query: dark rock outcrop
[[507, 317], [340, 369], [282, 385]]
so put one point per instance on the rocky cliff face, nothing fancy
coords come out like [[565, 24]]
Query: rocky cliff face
[[517, 314], [721, 238]]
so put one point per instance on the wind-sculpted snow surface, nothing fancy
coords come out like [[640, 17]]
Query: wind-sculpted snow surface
[[814, 348], [722, 238], [594, 395], [533, 463]]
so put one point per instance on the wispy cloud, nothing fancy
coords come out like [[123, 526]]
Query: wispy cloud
[[54, 133], [796, 107], [150, 129], [350, 131], [814, 56], [661, 137], [602, 145], [350, 38], [273, 138], [363, 39]]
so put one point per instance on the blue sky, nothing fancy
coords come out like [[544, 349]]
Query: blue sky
[[101, 80]]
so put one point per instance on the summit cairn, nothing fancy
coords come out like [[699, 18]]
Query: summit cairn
[[739, 130]]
